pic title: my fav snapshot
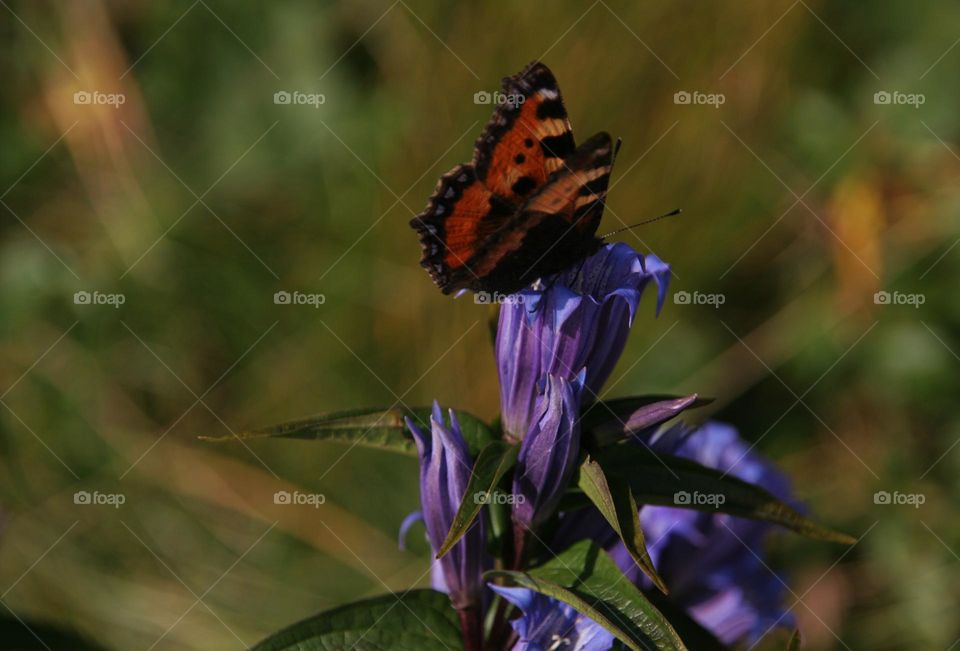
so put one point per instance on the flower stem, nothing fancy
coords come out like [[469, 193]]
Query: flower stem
[[472, 627], [500, 633], [499, 629], [520, 538]]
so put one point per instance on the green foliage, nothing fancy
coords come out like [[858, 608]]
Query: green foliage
[[376, 428], [492, 463], [615, 502], [419, 620], [666, 480], [587, 579]]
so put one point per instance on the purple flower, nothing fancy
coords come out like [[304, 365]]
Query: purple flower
[[549, 451], [445, 467], [712, 562], [548, 624], [577, 319]]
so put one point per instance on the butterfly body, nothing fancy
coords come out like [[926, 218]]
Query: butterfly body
[[529, 202]]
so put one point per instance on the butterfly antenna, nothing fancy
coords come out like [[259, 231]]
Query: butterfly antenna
[[672, 213]]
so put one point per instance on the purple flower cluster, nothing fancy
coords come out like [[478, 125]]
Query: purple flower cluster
[[712, 563], [445, 465], [556, 345], [578, 321]]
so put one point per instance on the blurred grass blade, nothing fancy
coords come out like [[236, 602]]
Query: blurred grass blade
[[586, 578], [616, 504], [376, 428], [425, 622], [794, 643], [666, 480], [492, 463]]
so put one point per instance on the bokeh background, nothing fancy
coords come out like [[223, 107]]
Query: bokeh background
[[199, 197]]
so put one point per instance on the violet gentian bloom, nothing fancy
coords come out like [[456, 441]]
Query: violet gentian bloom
[[712, 563], [548, 624], [576, 319], [445, 466], [549, 451]]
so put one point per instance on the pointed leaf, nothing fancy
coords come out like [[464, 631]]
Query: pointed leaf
[[377, 428], [690, 631], [586, 578], [492, 463], [666, 480], [616, 504], [610, 421], [423, 620], [794, 643]]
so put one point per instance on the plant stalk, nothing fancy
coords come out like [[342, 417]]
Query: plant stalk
[[472, 626]]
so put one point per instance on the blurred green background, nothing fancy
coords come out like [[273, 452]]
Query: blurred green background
[[198, 198]]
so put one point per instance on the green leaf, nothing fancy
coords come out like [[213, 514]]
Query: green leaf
[[616, 504], [667, 480], [377, 428], [610, 421], [423, 620], [779, 639], [21, 634], [691, 632], [492, 463], [586, 578]]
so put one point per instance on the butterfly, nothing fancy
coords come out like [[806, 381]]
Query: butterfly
[[527, 205]]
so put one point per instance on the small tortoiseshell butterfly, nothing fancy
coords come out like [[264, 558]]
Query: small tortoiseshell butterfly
[[529, 202]]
